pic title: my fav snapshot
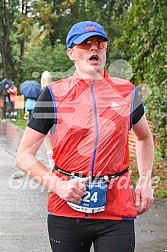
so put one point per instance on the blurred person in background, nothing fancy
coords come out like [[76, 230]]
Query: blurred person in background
[[46, 79], [5, 94], [13, 93], [29, 107]]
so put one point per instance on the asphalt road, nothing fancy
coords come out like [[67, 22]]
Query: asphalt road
[[23, 207]]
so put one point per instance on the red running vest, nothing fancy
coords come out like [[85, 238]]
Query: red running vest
[[92, 120]]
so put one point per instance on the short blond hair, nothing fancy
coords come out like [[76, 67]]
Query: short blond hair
[[46, 78]]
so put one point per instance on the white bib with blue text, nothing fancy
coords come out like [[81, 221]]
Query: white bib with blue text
[[94, 198]]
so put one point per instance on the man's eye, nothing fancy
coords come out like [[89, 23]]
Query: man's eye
[[88, 43]]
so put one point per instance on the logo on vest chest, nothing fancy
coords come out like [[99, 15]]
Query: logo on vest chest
[[115, 106]]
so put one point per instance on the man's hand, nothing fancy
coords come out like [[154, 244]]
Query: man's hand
[[143, 198], [71, 190]]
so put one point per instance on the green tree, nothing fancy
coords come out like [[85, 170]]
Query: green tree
[[55, 17], [144, 43], [39, 58], [7, 17]]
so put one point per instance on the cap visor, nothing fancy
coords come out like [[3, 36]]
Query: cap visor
[[84, 36]]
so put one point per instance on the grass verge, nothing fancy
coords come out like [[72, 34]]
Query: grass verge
[[21, 123], [159, 176]]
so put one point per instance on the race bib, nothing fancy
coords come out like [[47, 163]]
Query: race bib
[[94, 198]]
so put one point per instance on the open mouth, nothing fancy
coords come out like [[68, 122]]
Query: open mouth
[[94, 58]]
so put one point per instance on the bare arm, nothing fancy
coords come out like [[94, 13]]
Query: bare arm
[[145, 158], [26, 160], [48, 143], [71, 190]]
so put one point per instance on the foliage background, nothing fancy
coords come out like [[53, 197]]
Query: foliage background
[[32, 40]]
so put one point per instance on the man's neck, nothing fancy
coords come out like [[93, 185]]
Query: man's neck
[[95, 75]]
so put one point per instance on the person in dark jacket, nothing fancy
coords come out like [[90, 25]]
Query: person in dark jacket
[[5, 93]]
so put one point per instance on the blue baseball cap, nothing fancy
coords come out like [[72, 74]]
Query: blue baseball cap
[[83, 30]]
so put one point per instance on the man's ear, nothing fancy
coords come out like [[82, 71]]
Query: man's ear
[[70, 53], [106, 47]]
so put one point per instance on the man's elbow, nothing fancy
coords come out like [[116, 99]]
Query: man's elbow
[[147, 142], [20, 161]]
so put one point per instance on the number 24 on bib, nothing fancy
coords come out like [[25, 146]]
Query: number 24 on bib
[[94, 198]]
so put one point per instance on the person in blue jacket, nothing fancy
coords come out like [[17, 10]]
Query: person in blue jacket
[[29, 107]]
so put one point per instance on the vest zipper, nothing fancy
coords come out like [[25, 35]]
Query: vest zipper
[[96, 127]]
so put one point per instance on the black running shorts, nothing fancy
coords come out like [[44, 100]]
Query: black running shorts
[[78, 235]]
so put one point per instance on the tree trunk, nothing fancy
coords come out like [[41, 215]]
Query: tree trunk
[[7, 59]]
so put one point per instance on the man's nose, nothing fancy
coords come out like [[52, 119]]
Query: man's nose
[[94, 46]]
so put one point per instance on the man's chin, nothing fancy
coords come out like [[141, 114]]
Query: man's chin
[[92, 70]]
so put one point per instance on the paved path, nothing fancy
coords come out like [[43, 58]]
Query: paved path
[[23, 210]]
